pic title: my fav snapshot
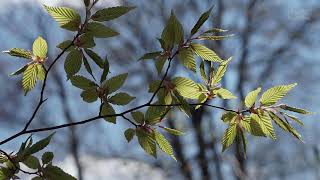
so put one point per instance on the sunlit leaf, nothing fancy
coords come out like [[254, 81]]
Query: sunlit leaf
[[187, 59], [274, 94], [252, 97], [205, 53], [66, 17], [40, 48]]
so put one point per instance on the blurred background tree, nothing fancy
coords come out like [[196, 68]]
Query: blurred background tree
[[275, 42]]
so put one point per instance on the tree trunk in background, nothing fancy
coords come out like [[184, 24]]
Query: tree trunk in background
[[185, 167], [74, 143], [202, 159]]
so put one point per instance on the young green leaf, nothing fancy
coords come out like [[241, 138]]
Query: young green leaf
[[215, 38], [17, 52], [154, 114], [205, 53], [186, 87], [114, 83], [242, 137], [87, 66], [99, 30], [151, 55], [41, 72], [121, 99], [105, 72], [138, 117], [185, 107], [85, 41], [228, 117], [20, 70], [294, 109], [95, 57], [147, 142], [90, 95], [265, 124], [31, 162], [164, 144], [66, 17], [173, 32], [229, 136], [220, 72], [73, 63], [82, 82], [129, 134], [159, 62], [203, 18], [47, 157], [224, 93], [173, 131], [187, 59], [294, 118], [111, 13], [40, 48], [245, 124], [274, 94], [282, 124], [29, 78], [107, 110], [203, 72], [54, 172], [39, 145], [255, 126], [65, 45], [252, 97]]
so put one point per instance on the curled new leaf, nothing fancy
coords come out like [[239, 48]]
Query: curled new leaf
[[294, 109], [203, 18], [17, 52]]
